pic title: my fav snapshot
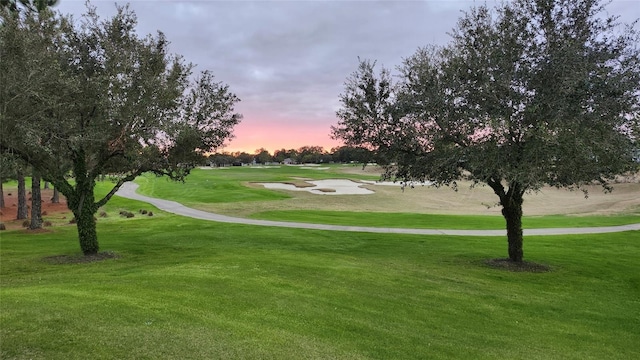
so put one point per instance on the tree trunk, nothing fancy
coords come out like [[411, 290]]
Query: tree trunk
[[1, 195], [23, 212], [36, 203], [512, 212], [511, 202], [87, 233], [56, 196], [46, 185], [83, 206]]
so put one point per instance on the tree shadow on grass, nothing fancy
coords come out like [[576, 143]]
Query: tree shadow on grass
[[515, 266], [80, 259]]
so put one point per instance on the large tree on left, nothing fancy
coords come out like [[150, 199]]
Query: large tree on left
[[78, 101]]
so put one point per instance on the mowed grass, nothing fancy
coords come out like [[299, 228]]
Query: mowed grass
[[229, 191], [228, 185], [436, 221], [190, 289]]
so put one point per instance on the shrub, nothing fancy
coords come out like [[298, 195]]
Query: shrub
[[26, 223], [143, 211], [150, 213], [2, 226], [130, 215]]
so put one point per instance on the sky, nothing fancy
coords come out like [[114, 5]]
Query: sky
[[287, 60]]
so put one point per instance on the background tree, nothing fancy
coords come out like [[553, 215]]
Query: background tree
[[349, 154], [22, 211], [7, 172], [221, 159], [242, 157], [105, 101], [36, 203], [55, 197], [282, 154], [262, 156], [32, 5], [533, 93], [310, 154]]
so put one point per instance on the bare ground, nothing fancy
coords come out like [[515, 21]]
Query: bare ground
[[55, 213], [624, 199], [480, 200]]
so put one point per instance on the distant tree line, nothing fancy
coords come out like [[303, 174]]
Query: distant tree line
[[303, 155]]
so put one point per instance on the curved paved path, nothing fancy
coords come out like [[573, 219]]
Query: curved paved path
[[128, 190]]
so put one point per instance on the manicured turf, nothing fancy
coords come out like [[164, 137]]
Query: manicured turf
[[228, 184], [189, 289], [434, 221]]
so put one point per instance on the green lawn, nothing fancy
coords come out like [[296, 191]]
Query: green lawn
[[435, 221], [228, 184], [189, 289]]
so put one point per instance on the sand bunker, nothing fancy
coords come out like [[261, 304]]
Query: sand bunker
[[325, 187]]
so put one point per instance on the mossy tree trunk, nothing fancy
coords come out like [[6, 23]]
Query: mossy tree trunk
[[82, 204], [81, 201], [36, 202]]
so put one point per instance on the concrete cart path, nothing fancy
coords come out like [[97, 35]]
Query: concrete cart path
[[128, 190]]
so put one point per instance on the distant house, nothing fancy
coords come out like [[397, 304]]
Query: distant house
[[288, 161]]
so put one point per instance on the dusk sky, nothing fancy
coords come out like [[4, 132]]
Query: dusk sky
[[287, 60]]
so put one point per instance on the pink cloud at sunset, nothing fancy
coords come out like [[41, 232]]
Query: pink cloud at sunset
[[253, 134]]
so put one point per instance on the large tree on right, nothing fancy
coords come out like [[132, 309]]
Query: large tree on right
[[528, 94]]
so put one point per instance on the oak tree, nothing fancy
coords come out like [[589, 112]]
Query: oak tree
[[528, 94], [83, 100]]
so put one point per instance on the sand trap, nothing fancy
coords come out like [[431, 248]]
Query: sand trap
[[324, 187]]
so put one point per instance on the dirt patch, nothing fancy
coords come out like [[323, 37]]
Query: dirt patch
[[523, 266], [80, 259], [55, 213], [326, 190], [299, 184]]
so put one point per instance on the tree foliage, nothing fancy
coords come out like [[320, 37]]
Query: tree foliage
[[95, 98], [31, 5], [529, 94]]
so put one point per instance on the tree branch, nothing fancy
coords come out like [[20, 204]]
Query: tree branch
[[120, 182]]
